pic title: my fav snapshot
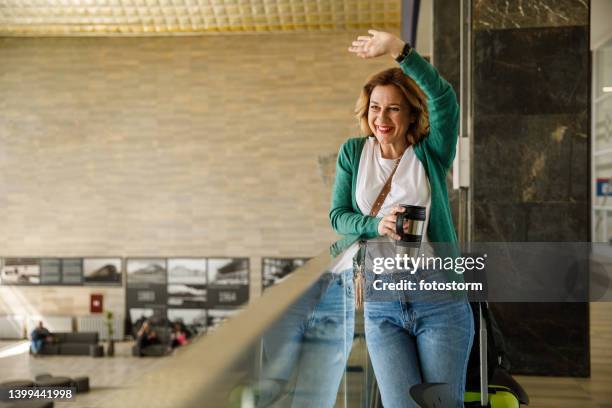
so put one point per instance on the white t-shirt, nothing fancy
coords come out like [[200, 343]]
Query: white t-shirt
[[409, 186]]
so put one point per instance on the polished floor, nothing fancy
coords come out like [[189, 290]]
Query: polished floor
[[107, 375]]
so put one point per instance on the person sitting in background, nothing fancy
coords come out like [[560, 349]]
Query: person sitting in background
[[179, 336], [146, 336], [188, 332], [39, 336]]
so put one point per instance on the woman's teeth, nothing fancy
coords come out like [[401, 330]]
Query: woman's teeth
[[384, 129]]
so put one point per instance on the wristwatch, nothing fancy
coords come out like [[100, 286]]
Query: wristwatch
[[405, 52]]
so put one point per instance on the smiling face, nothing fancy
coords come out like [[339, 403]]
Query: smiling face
[[393, 108], [388, 115]]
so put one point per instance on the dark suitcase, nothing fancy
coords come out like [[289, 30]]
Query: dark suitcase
[[496, 388]]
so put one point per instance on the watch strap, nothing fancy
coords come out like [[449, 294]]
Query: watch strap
[[405, 53]]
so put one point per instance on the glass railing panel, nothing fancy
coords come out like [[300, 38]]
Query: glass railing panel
[[291, 347]]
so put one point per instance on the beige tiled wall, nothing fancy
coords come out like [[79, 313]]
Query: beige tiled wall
[[182, 146], [58, 300]]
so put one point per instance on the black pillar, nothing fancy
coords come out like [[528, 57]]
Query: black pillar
[[531, 161]]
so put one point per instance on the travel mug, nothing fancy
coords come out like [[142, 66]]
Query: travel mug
[[409, 226]]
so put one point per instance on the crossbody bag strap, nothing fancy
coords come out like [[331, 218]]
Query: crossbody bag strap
[[359, 266], [384, 192]]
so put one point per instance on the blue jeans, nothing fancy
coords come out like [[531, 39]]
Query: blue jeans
[[36, 346], [411, 342], [309, 346]]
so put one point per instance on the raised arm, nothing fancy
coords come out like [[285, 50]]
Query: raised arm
[[442, 106], [344, 219], [442, 101]]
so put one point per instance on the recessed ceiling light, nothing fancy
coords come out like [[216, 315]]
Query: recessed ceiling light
[[607, 88]]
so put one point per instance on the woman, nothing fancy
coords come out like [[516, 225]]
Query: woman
[[178, 337], [410, 119]]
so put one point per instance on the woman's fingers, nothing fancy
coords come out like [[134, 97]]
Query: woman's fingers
[[391, 234], [357, 49], [377, 44], [359, 52], [397, 209], [390, 218], [389, 229], [360, 46], [370, 46], [361, 40], [389, 225]]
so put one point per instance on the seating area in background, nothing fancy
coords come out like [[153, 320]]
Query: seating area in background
[[15, 327], [87, 335], [73, 344], [164, 342], [158, 349]]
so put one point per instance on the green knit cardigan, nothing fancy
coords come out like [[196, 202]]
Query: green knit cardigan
[[436, 152]]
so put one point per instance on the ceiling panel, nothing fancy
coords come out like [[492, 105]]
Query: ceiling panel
[[149, 17]]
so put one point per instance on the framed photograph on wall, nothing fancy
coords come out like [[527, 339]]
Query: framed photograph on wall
[[72, 271], [146, 271], [20, 271], [275, 270], [102, 271], [187, 283], [228, 282], [50, 271], [146, 285], [228, 271]]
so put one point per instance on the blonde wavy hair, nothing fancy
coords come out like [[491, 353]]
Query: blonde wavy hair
[[414, 97]]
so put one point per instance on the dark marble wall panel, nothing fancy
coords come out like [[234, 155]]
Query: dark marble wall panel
[[499, 222], [532, 222], [446, 58], [544, 338], [531, 71], [496, 14], [537, 158], [531, 159], [559, 221]]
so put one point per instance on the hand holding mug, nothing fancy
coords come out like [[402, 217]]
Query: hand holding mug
[[386, 226]]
